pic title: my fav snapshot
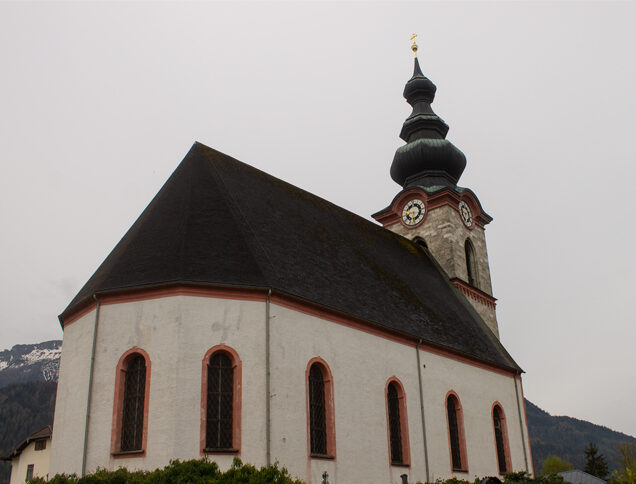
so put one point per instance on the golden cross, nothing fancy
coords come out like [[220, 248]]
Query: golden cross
[[414, 46]]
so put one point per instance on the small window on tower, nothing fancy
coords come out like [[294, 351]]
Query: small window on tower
[[471, 267], [421, 242]]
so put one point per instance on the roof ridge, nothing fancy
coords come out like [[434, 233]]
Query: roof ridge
[[233, 205]]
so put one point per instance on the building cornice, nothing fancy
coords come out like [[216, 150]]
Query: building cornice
[[283, 300]]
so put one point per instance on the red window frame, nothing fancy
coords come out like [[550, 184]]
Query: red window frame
[[236, 399], [461, 436], [330, 424], [118, 404], [403, 416], [504, 438]]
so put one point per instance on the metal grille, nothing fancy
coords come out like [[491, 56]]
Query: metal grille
[[454, 434], [395, 428], [501, 451], [218, 432], [317, 420], [132, 422]]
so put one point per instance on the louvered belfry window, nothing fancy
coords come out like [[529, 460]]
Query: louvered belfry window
[[395, 427], [132, 423], [499, 438], [470, 263], [317, 411], [453, 427], [218, 432]]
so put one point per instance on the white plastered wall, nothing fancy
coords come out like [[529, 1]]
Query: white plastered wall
[[72, 392], [361, 364], [29, 456], [177, 331]]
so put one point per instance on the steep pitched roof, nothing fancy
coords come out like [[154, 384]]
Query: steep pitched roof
[[219, 221], [43, 433]]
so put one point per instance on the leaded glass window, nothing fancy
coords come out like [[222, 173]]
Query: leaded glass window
[[453, 428], [499, 438], [395, 427], [317, 411], [220, 400], [132, 422]]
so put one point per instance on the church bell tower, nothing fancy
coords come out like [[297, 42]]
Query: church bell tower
[[431, 209]]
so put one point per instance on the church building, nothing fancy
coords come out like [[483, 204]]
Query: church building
[[241, 316]]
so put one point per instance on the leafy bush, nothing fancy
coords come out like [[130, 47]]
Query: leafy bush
[[197, 471], [204, 471], [509, 478]]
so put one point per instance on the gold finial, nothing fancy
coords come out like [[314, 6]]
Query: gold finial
[[414, 46]]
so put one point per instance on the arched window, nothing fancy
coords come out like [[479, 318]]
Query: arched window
[[397, 423], [456, 433], [320, 410], [471, 267], [220, 401], [501, 438], [421, 242], [132, 386]]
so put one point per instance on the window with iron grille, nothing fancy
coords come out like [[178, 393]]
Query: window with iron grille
[[453, 428], [220, 397], [499, 438], [317, 411], [395, 425], [132, 422]]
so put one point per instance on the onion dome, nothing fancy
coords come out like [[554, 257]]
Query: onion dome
[[428, 158]]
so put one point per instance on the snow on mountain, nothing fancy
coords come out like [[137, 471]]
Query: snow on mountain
[[30, 363]]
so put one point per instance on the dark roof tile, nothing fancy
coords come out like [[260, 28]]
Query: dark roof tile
[[219, 221]]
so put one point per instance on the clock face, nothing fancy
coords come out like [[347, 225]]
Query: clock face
[[466, 214], [413, 212]]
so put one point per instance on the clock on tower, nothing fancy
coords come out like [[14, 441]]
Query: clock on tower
[[431, 208]]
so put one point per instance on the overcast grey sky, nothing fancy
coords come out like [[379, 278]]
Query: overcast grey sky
[[100, 101]]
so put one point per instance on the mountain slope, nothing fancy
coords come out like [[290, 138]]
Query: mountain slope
[[24, 409], [35, 362], [567, 438]]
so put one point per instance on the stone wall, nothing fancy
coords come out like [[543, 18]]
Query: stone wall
[[445, 235]]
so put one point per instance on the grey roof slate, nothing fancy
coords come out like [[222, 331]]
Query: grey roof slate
[[222, 222], [577, 476]]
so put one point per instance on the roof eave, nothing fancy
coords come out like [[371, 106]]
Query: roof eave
[[374, 324]]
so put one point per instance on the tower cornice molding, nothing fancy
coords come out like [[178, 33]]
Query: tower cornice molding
[[475, 293], [444, 196]]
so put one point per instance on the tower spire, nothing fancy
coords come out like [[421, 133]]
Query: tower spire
[[427, 158]]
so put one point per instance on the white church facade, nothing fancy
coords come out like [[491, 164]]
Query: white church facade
[[241, 316]]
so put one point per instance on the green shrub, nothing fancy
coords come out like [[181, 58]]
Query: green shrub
[[196, 471], [204, 471]]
